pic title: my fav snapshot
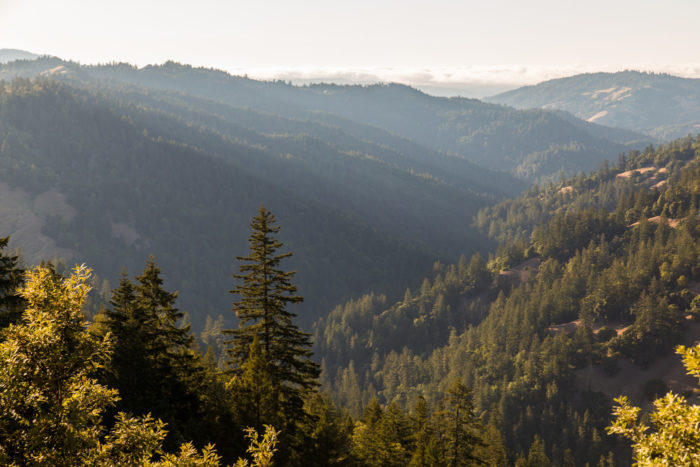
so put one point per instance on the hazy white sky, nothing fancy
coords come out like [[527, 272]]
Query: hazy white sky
[[492, 40]]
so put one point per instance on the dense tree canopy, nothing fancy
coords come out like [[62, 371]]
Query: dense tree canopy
[[584, 282], [51, 404]]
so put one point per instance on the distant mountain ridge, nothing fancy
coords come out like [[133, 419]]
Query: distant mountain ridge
[[10, 55], [529, 144], [132, 172], [371, 184], [660, 105]]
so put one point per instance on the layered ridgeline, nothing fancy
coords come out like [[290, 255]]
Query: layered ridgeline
[[94, 178], [118, 162], [597, 279], [11, 55], [530, 144], [660, 105]]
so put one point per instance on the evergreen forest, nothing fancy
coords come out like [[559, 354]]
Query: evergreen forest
[[270, 274]]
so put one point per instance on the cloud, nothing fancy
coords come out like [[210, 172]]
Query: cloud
[[468, 81]]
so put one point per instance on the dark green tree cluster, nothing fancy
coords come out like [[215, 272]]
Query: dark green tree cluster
[[154, 365], [51, 404], [512, 219], [449, 434], [11, 278]]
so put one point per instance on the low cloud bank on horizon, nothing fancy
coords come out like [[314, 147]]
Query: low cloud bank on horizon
[[477, 81], [468, 81]]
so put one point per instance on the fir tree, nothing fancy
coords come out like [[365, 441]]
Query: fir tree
[[461, 427], [158, 306], [268, 338], [153, 365], [130, 363], [11, 278]]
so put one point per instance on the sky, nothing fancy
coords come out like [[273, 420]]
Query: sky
[[447, 45]]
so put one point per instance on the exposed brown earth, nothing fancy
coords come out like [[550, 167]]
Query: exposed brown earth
[[572, 326], [694, 288], [523, 272], [630, 379], [566, 189], [670, 222], [23, 216], [595, 117], [642, 171]]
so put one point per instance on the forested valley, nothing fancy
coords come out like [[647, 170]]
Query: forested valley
[[596, 276], [510, 354]]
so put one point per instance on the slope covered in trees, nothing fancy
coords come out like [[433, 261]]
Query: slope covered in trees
[[530, 144], [127, 181], [487, 361], [620, 100], [594, 271], [74, 392]]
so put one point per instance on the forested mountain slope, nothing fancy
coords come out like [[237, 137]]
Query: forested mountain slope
[[123, 181], [529, 144], [660, 105], [596, 273]]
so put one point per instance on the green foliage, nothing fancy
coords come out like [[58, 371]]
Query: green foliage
[[382, 437], [328, 430], [268, 354], [461, 427], [536, 456], [261, 449], [675, 439], [452, 435], [540, 326], [153, 366], [11, 279], [51, 405]]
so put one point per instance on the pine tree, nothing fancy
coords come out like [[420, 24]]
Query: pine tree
[[11, 278], [462, 428], [158, 306], [426, 452], [266, 332], [130, 362], [153, 365]]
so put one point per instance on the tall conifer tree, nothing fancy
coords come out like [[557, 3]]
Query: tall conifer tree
[[266, 337], [462, 427]]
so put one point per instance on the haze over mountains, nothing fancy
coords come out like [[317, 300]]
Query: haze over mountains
[[531, 145], [371, 169], [436, 240], [659, 105], [386, 159], [10, 55]]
